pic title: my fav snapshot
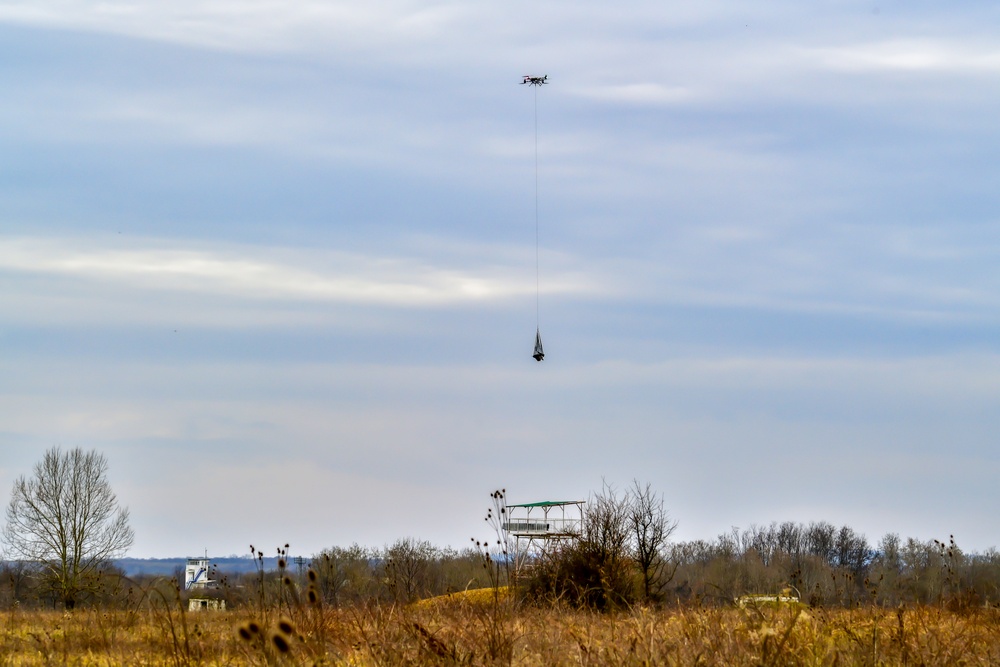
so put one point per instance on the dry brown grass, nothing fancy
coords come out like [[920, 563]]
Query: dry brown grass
[[454, 632]]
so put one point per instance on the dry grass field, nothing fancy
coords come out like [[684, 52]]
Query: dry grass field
[[457, 631]]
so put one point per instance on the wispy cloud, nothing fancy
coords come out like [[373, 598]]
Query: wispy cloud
[[257, 274], [728, 267], [254, 25], [768, 232], [909, 55], [642, 93]]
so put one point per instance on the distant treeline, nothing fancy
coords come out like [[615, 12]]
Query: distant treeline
[[818, 562], [168, 567], [622, 556], [825, 564], [405, 571]]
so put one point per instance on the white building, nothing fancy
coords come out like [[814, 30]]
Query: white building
[[196, 574]]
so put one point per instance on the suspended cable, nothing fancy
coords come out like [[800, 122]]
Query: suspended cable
[[537, 281], [539, 354]]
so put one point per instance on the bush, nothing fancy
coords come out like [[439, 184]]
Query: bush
[[581, 575], [614, 558]]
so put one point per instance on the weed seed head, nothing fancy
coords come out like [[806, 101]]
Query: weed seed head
[[280, 643]]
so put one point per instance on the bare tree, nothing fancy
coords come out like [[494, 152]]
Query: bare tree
[[345, 574], [821, 538], [624, 535], [651, 528], [406, 567], [605, 525], [66, 518]]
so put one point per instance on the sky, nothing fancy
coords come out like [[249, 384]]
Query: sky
[[277, 262]]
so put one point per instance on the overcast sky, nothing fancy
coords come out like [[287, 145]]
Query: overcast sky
[[276, 260]]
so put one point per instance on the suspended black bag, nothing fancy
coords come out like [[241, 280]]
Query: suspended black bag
[[539, 352]]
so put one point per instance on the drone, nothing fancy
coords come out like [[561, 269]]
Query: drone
[[535, 80]]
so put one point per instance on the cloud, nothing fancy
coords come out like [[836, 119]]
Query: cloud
[[253, 25], [311, 433], [250, 273], [319, 401], [67, 279], [908, 55], [648, 93], [337, 203]]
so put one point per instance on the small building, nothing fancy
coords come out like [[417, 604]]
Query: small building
[[546, 520], [196, 580], [534, 526], [206, 604], [196, 574]]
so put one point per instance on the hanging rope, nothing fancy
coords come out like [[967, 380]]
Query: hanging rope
[[539, 354], [537, 282]]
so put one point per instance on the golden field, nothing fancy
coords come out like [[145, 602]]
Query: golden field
[[458, 631]]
